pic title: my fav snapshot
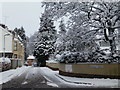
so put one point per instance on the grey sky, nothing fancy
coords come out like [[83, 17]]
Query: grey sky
[[24, 14]]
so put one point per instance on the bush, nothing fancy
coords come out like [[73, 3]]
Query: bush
[[91, 57]]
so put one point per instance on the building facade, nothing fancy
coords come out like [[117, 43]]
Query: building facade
[[5, 42], [11, 44], [18, 47]]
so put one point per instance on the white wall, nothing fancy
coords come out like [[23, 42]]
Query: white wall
[[0, 12], [1, 46], [8, 41]]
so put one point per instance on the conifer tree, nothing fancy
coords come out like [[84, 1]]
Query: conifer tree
[[46, 39]]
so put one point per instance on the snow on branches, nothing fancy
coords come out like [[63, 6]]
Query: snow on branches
[[46, 37], [86, 21]]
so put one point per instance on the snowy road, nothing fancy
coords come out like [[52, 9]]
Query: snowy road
[[43, 77], [30, 78], [36, 77]]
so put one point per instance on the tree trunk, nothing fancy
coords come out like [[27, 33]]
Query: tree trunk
[[105, 35], [112, 46], [43, 64], [112, 40], [42, 60]]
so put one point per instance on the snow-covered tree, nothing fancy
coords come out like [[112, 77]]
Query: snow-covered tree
[[31, 43], [78, 25], [62, 28], [104, 17], [86, 20], [60, 42], [21, 33], [46, 39]]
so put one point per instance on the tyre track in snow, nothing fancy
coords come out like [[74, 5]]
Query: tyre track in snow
[[31, 78]]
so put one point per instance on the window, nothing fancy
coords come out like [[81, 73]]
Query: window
[[15, 55], [15, 46]]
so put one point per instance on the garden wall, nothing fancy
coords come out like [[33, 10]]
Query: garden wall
[[90, 70], [15, 63], [53, 66]]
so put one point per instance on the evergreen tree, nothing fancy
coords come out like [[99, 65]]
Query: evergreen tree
[[21, 33], [46, 39]]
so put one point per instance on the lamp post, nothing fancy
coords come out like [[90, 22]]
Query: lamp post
[[4, 45]]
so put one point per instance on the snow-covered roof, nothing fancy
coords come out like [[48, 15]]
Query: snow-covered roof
[[31, 57], [15, 39], [19, 38]]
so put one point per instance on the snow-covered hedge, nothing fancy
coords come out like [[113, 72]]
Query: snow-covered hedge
[[52, 61], [93, 57]]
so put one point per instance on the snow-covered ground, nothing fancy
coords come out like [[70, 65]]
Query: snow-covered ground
[[89, 82], [95, 82], [56, 80], [8, 75]]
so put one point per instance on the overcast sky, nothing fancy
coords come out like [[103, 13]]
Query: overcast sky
[[17, 14]]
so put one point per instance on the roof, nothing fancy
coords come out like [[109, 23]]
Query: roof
[[31, 57]]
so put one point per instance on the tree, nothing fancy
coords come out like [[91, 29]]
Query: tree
[[86, 21], [46, 39], [78, 24], [104, 17], [60, 42], [31, 43], [62, 28], [21, 33]]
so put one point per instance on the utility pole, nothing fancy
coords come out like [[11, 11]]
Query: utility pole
[[5, 20]]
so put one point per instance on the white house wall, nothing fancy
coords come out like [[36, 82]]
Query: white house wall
[[8, 41], [1, 46]]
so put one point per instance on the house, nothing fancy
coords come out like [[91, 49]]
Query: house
[[11, 44], [18, 47], [5, 42]]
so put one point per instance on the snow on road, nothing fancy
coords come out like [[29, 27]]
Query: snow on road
[[94, 82], [8, 75], [73, 81]]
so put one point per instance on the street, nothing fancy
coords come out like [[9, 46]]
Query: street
[[59, 44], [28, 79], [43, 77], [34, 77]]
